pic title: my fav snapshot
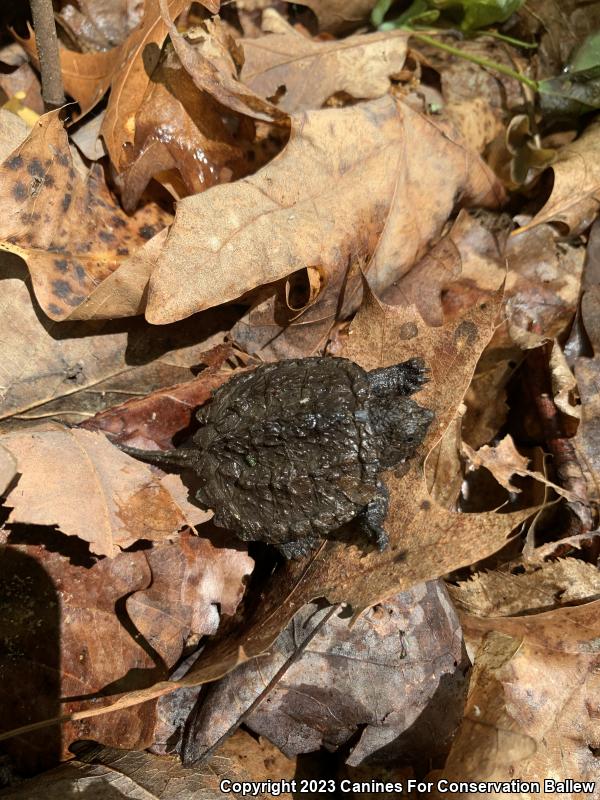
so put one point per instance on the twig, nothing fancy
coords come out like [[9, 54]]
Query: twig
[[47, 47]]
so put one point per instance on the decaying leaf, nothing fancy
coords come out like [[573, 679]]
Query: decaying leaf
[[71, 233], [192, 585], [352, 676], [534, 686], [345, 190], [118, 627], [554, 583], [503, 460], [125, 499]]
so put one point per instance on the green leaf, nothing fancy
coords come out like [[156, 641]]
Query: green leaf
[[479, 13], [468, 14], [577, 90]]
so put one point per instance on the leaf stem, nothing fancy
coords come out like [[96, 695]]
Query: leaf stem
[[483, 62]]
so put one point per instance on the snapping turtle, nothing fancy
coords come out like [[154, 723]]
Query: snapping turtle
[[289, 452]]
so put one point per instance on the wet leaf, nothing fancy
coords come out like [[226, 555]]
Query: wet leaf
[[71, 232], [137, 58], [125, 500]]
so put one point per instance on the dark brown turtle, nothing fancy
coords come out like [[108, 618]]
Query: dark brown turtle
[[290, 451]]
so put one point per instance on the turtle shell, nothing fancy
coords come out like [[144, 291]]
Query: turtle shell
[[286, 450]]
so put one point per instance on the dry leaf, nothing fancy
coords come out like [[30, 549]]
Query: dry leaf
[[276, 66], [125, 499], [555, 583], [348, 187], [153, 420], [71, 233], [100, 25], [8, 469], [111, 774], [503, 460], [192, 585], [108, 626], [535, 686], [575, 196], [75, 369], [86, 76], [339, 15]]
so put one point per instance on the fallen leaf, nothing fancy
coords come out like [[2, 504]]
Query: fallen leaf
[[111, 773], [339, 15], [192, 585], [62, 642], [211, 64], [86, 76], [575, 196], [534, 687], [75, 369], [503, 594], [71, 233], [363, 682], [125, 500], [503, 460], [8, 469], [178, 127], [348, 187], [154, 419], [137, 58], [276, 65], [100, 25]]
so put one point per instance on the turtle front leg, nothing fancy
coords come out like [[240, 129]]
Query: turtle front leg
[[373, 516]]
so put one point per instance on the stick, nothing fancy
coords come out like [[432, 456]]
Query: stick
[[47, 47]]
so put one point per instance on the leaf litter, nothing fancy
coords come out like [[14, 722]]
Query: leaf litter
[[273, 182]]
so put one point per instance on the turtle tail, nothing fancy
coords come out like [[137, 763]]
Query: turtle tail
[[172, 458]]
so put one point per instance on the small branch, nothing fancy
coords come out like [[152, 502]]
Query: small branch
[[47, 47], [483, 62]]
